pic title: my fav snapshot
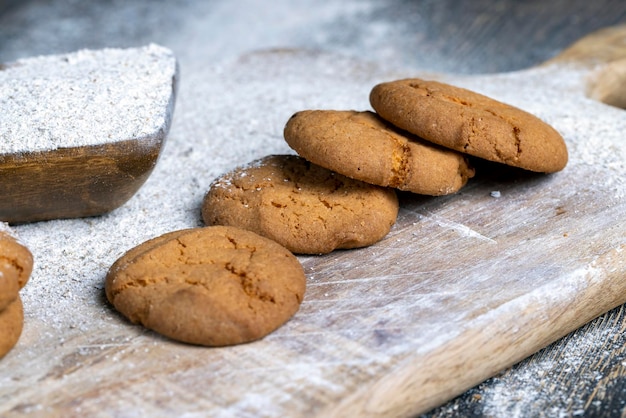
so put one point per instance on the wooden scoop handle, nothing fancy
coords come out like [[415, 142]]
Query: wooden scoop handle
[[604, 54], [601, 47]]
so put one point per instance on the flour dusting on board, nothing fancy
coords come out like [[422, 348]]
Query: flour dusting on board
[[531, 380], [366, 312]]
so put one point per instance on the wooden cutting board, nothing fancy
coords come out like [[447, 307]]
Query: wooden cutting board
[[463, 287]]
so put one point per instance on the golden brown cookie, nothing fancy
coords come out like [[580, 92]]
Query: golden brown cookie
[[471, 123], [211, 286], [16, 264], [302, 206], [11, 323], [362, 146]]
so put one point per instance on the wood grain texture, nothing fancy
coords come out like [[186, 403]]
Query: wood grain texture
[[582, 373], [448, 262], [558, 377], [74, 182], [464, 286]]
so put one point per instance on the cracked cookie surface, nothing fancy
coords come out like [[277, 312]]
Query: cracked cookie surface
[[16, 265], [470, 123], [304, 207], [363, 146], [212, 286]]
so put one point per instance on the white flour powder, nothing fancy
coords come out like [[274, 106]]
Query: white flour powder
[[84, 98], [230, 112]]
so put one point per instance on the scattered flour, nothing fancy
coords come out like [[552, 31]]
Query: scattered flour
[[531, 385], [4, 227], [229, 113]]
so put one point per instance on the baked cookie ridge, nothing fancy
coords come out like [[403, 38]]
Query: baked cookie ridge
[[11, 325], [301, 205], [363, 146], [16, 266], [471, 123], [210, 286]]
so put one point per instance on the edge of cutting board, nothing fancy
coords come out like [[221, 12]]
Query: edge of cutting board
[[425, 381]]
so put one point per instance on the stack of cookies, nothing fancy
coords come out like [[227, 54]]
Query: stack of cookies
[[339, 192], [16, 264], [420, 136], [237, 279]]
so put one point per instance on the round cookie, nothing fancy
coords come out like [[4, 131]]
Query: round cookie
[[11, 323], [471, 123], [302, 206], [16, 265], [362, 146], [210, 286]]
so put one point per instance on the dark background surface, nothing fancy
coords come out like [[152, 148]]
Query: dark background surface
[[583, 374], [441, 35]]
